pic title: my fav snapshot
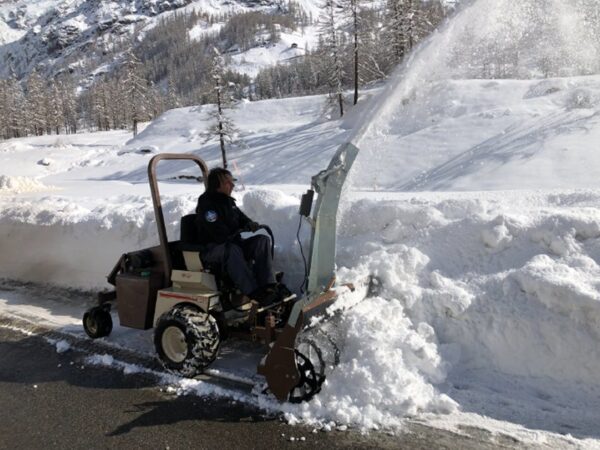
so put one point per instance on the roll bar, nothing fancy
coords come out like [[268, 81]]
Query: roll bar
[[158, 212]]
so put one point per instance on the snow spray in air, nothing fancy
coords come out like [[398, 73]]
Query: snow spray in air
[[484, 39]]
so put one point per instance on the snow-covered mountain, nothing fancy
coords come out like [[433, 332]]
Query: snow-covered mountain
[[47, 35], [75, 35]]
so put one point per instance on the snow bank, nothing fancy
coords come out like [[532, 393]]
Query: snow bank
[[60, 241], [18, 185], [505, 282], [497, 274], [66, 242]]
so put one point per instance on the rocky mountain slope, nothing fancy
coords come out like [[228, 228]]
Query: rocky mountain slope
[[52, 36]]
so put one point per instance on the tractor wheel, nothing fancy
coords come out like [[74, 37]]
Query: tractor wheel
[[187, 340], [97, 322]]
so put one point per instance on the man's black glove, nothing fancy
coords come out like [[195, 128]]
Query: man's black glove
[[253, 226]]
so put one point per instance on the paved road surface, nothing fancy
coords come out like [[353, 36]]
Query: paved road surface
[[47, 400]]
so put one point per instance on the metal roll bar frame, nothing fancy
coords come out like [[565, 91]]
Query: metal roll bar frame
[[158, 212]]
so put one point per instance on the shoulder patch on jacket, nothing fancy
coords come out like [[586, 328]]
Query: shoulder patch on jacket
[[211, 216]]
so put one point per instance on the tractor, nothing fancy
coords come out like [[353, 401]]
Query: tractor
[[193, 308]]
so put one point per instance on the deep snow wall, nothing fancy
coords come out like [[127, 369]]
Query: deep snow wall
[[503, 279], [56, 240], [506, 279], [503, 282]]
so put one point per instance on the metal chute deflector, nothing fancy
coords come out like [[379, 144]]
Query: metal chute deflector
[[279, 366]]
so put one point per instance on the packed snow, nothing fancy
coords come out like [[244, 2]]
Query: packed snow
[[291, 45], [475, 203], [16, 185]]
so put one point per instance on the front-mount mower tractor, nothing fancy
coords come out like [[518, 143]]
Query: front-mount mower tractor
[[192, 308]]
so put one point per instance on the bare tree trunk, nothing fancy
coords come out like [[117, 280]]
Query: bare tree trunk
[[221, 131], [355, 18], [355, 67]]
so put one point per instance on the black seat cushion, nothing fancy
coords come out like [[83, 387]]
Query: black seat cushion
[[188, 232], [189, 242], [188, 235]]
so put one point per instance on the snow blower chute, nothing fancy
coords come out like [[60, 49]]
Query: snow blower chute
[[192, 307]]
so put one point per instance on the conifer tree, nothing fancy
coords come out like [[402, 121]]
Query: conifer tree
[[332, 51], [4, 102], [136, 90], [223, 127], [408, 22], [16, 109], [156, 101], [66, 89], [173, 100], [36, 104], [352, 10], [4, 110], [119, 113], [376, 61], [54, 109], [100, 104]]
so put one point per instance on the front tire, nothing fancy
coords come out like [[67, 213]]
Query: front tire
[[187, 340], [97, 322]]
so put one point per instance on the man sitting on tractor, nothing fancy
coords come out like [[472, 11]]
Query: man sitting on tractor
[[220, 223]]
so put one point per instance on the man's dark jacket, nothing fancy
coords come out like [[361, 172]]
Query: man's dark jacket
[[218, 218]]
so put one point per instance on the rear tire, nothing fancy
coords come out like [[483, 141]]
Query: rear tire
[[97, 322], [187, 340]]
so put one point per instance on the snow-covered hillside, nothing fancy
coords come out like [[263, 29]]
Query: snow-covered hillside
[[475, 203], [491, 134], [52, 35]]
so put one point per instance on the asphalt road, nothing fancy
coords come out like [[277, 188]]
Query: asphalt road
[[51, 400]]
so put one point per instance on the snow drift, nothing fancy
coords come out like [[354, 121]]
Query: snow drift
[[17, 185]]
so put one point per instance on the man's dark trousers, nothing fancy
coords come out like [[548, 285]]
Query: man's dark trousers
[[234, 257]]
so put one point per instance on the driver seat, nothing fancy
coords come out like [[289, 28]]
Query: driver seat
[[190, 248], [189, 243]]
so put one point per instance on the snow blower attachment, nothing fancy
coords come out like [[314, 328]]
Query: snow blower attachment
[[193, 308]]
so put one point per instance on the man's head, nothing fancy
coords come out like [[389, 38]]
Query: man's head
[[220, 180]]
